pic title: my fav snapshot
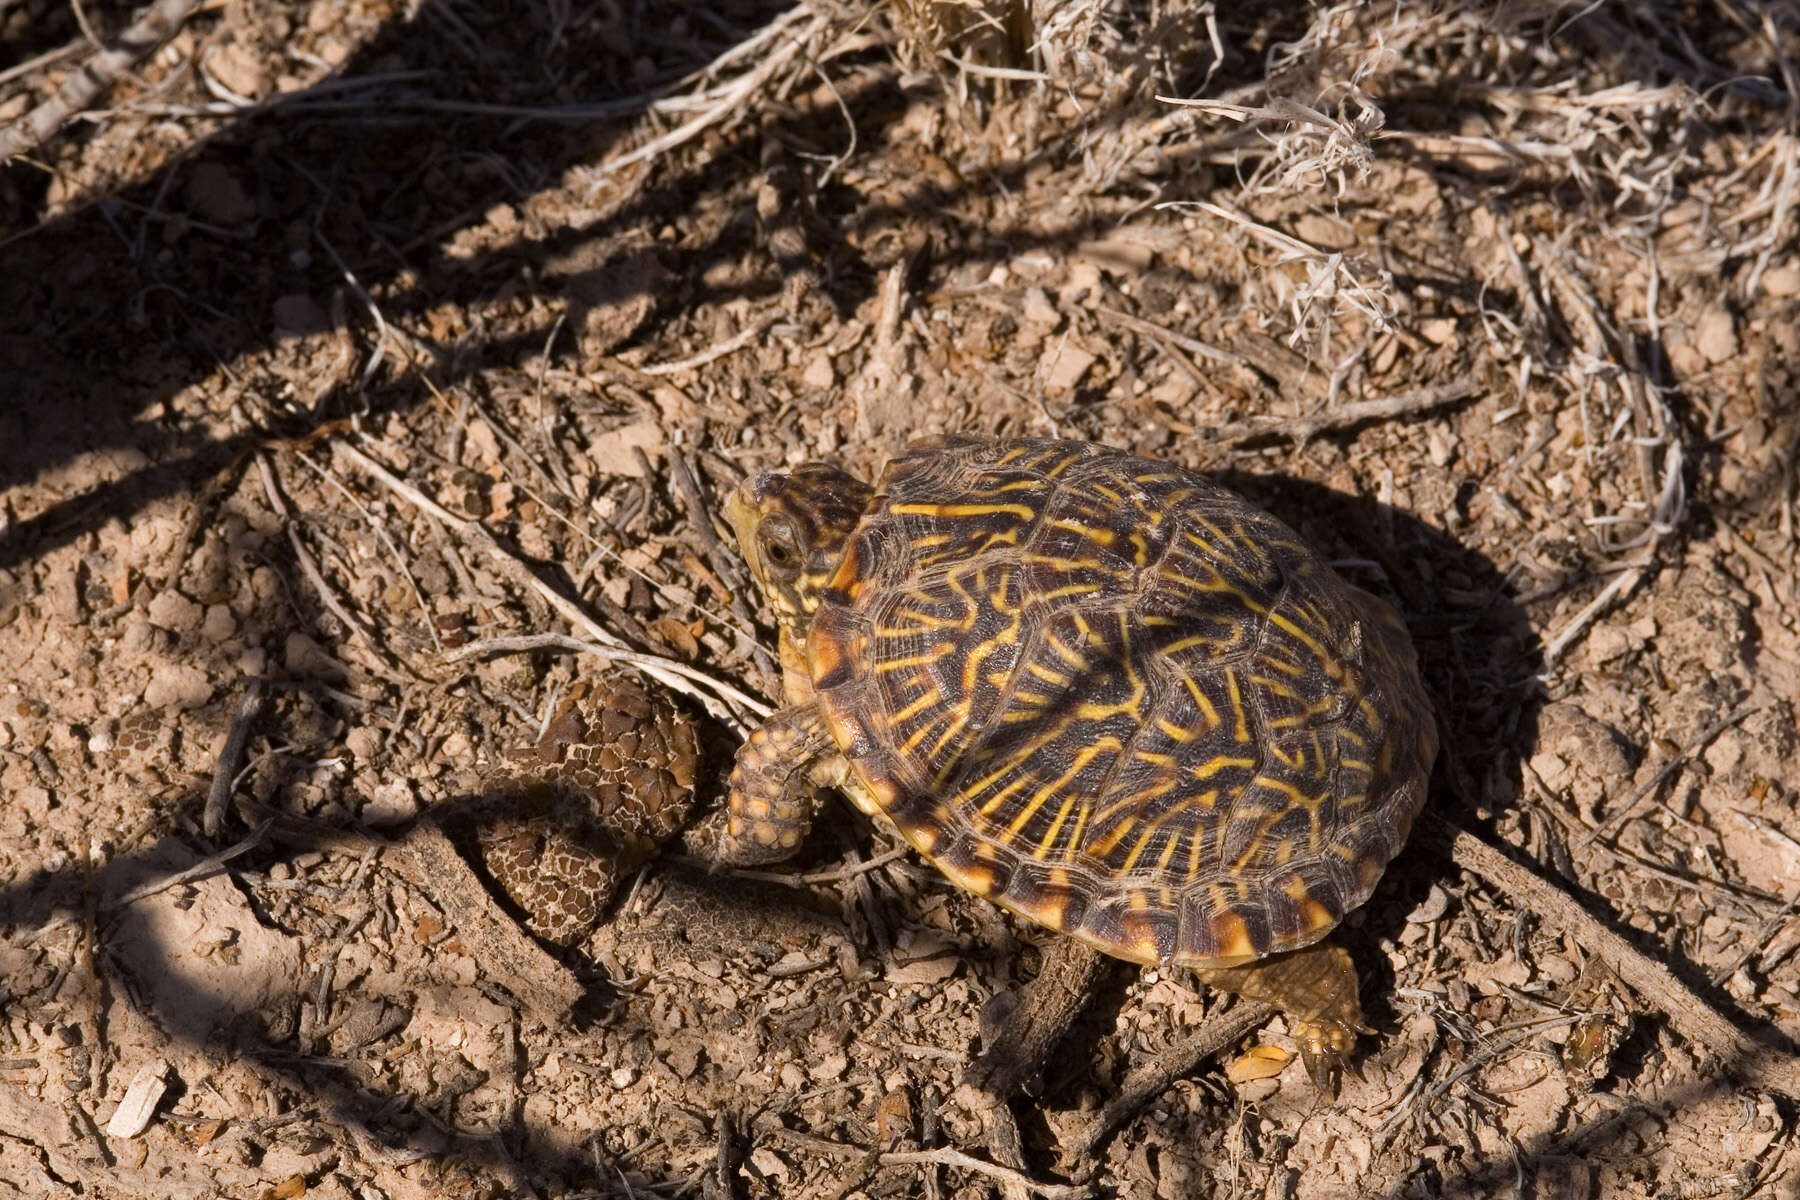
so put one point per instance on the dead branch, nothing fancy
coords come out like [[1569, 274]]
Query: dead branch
[[81, 89], [1757, 1063]]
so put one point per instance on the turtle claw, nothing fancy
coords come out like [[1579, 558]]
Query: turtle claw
[[1325, 1050]]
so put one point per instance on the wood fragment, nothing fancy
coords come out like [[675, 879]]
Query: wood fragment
[[231, 758], [732, 96], [142, 1095], [200, 870], [1622, 585], [506, 953], [648, 663], [1150, 1079], [158, 24], [950, 1156], [714, 696], [1382, 408], [1047, 1006], [1676, 761], [425, 857], [730, 345], [1342, 416], [1752, 1061], [946, 1156]]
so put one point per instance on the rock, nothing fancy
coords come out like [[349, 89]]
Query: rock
[[1716, 336], [178, 686], [306, 659], [298, 316], [392, 803], [220, 624], [819, 373], [1065, 370], [175, 612], [217, 197], [1782, 281], [239, 70]]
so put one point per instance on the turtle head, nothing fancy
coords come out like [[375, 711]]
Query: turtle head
[[792, 528]]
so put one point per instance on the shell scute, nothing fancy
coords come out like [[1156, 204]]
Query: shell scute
[[1119, 700]]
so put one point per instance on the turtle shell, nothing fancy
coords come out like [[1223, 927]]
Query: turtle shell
[[1119, 700]]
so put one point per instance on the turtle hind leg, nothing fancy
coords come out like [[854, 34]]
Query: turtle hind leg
[[1316, 987], [774, 791]]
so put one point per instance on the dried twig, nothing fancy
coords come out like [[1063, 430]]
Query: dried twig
[[82, 88], [310, 568], [205, 867], [648, 663], [231, 758], [730, 97], [944, 1156], [1382, 408], [47, 58], [677, 676], [1623, 584], [1757, 1063], [1149, 1080], [949, 1156], [1676, 761], [713, 353]]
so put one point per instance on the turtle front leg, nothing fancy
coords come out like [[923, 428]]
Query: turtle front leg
[[774, 791], [1316, 988]]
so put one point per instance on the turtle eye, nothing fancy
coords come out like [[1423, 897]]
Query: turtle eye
[[780, 547]]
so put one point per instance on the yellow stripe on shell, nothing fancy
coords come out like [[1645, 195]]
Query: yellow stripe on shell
[[1049, 839], [1162, 861], [930, 697], [1098, 535], [1242, 731], [1202, 701], [1072, 589], [1112, 837], [1083, 757], [1139, 799], [1318, 652], [999, 798], [925, 659], [978, 655], [1217, 763], [1143, 841], [1022, 511]]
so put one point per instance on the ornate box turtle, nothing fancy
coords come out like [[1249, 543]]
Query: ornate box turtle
[[1098, 690]]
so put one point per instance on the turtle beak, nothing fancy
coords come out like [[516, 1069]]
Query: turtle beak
[[741, 513]]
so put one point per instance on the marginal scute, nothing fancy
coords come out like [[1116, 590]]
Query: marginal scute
[[1119, 700]]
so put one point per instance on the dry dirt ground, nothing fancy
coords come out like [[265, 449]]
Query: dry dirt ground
[[343, 321]]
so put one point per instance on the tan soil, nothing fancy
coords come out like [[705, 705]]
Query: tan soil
[[1576, 228]]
